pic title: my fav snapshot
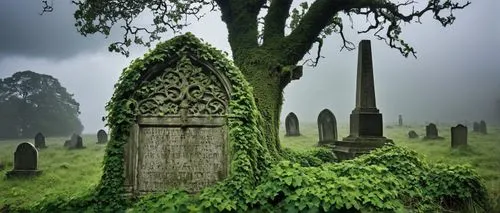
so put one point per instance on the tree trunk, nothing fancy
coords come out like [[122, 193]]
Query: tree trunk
[[268, 94]]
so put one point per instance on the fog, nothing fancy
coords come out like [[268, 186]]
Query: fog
[[455, 77]]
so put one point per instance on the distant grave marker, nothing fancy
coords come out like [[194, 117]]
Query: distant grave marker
[[400, 120], [458, 136], [412, 134], [327, 127], [102, 136], [431, 132], [482, 127], [25, 161], [292, 125], [76, 142], [40, 141], [476, 127]]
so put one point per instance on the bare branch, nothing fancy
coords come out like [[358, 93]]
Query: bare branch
[[386, 12], [46, 7]]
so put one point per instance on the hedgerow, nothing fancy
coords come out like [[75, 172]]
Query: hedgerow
[[390, 179]]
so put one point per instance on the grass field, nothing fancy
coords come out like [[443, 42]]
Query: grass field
[[71, 172]]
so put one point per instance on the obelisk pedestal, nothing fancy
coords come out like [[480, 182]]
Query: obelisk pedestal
[[366, 128]]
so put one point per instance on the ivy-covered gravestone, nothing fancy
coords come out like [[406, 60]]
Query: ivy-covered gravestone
[[174, 117]]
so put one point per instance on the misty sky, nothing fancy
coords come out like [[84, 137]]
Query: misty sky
[[456, 76]]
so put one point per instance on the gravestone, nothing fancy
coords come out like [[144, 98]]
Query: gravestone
[[412, 134], [102, 136], [180, 138], [366, 130], [327, 127], [76, 142], [431, 132], [400, 120], [292, 125], [458, 136], [40, 141], [476, 127], [482, 127], [25, 161]]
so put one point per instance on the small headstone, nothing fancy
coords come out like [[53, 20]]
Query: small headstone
[[475, 127], [327, 127], [412, 134], [400, 120], [458, 136], [292, 125], [75, 142], [431, 132], [102, 136], [25, 161], [40, 141], [67, 143], [482, 127]]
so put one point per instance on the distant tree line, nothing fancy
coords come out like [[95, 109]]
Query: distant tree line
[[32, 103]]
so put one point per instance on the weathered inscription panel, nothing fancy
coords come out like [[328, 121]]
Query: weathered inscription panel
[[188, 158]]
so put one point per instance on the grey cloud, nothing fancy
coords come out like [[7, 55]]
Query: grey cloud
[[24, 32]]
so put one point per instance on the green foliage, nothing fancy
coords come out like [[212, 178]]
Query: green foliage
[[32, 103]]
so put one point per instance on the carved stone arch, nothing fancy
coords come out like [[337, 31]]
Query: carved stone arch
[[180, 139]]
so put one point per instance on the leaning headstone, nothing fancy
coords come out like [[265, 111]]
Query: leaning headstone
[[366, 129], [25, 161], [431, 132], [102, 136], [476, 127], [40, 141], [412, 134], [458, 136], [400, 120], [482, 127], [292, 125], [327, 127], [180, 135]]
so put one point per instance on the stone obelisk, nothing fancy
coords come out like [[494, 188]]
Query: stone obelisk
[[366, 128]]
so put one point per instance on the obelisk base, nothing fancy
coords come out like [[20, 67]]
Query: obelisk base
[[352, 147]]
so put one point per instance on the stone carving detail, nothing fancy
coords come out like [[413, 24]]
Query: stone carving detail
[[185, 86]]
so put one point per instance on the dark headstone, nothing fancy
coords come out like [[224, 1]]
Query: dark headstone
[[292, 125], [431, 132], [327, 127], [482, 127], [40, 141], [412, 134], [400, 120], [458, 136], [476, 127], [102, 136], [75, 142], [25, 161], [366, 130]]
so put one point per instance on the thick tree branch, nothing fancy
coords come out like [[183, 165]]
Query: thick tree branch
[[275, 20], [306, 33], [241, 20]]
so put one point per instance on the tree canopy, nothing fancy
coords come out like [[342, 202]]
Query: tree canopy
[[32, 102]]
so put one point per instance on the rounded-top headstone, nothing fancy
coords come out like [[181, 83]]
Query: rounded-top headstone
[[102, 136], [292, 125], [40, 140]]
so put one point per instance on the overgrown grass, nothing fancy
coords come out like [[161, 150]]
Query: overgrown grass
[[72, 172], [65, 172]]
